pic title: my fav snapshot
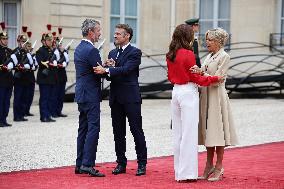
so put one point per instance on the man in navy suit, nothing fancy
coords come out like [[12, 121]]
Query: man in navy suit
[[125, 99], [88, 97]]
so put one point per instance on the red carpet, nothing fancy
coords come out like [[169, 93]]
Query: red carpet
[[249, 167]]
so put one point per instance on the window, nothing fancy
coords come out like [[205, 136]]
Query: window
[[10, 15], [214, 13], [277, 39], [126, 12]]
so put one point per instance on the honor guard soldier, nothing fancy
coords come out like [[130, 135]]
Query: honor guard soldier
[[62, 76], [23, 61], [47, 76], [30, 77], [6, 77], [194, 22]]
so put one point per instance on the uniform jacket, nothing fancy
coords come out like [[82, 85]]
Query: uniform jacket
[[88, 84], [6, 77], [44, 54], [62, 76], [196, 53], [21, 77], [124, 85]]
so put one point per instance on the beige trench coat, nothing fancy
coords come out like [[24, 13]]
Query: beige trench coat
[[216, 126]]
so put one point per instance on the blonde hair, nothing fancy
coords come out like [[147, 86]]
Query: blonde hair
[[218, 34]]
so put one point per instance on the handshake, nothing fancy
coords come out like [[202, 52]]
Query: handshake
[[101, 69], [196, 70]]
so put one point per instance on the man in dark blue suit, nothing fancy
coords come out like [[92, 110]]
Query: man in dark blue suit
[[125, 99], [88, 97]]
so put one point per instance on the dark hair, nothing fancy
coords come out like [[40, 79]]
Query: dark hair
[[183, 37], [127, 29]]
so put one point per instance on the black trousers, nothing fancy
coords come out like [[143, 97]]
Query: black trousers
[[132, 111]]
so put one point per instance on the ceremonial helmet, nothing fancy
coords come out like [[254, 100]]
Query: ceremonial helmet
[[23, 37], [48, 35], [3, 33], [29, 44]]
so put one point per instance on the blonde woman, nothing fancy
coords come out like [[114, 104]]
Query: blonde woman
[[216, 127]]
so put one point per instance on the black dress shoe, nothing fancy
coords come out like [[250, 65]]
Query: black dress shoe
[[2, 125], [44, 120], [7, 124], [62, 115], [20, 119], [119, 169], [51, 120], [47, 120], [77, 170], [29, 114], [141, 170], [91, 171]]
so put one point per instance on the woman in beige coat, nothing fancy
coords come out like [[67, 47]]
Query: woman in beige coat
[[216, 127]]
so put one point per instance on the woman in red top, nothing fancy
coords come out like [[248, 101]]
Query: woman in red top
[[185, 102]]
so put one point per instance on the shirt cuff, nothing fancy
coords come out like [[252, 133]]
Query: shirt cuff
[[107, 71]]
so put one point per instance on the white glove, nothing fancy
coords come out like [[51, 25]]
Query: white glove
[[27, 66], [30, 58], [64, 64], [66, 56], [56, 52], [54, 63], [15, 59], [10, 66], [35, 61]]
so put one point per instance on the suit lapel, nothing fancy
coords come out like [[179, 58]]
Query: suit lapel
[[124, 53]]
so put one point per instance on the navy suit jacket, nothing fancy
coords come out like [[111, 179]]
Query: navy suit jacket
[[124, 85], [88, 84]]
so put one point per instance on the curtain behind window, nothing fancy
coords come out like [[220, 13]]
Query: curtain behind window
[[214, 13], [10, 19], [206, 17], [124, 11]]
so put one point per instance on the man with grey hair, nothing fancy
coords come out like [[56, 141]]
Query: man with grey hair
[[88, 98]]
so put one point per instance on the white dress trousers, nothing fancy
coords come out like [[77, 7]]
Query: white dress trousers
[[185, 117]]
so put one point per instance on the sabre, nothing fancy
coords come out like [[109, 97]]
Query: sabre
[[68, 45], [60, 41], [33, 46], [25, 43], [101, 44]]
